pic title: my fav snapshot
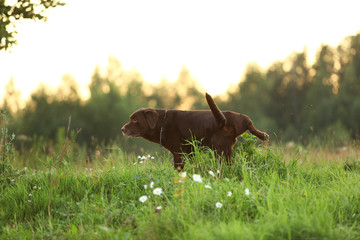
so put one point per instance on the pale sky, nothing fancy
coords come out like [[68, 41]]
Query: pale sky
[[215, 40]]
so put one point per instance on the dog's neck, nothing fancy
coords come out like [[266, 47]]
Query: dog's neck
[[162, 129]]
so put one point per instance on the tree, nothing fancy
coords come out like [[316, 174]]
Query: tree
[[11, 97], [290, 81], [349, 84], [11, 11], [319, 110], [252, 97]]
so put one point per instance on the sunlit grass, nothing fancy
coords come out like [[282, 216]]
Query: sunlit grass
[[260, 195]]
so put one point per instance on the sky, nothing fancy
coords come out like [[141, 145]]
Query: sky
[[215, 40]]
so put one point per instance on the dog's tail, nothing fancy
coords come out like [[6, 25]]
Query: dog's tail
[[220, 119], [262, 135]]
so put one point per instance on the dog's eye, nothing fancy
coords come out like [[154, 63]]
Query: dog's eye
[[134, 120]]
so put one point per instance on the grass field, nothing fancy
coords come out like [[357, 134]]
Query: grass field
[[266, 193]]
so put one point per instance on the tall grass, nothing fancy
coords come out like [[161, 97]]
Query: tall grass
[[258, 196]]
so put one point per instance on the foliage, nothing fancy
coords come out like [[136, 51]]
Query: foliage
[[12, 11], [7, 153], [298, 101]]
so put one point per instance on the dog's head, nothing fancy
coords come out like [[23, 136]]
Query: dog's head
[[141, 123]]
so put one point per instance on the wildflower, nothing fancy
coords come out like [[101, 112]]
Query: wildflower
[[39, 188], [151, 184], [145, 186], [29, 201], [143, 199], [218, 204], [12, 180], [30, 195], [197, 178], [218, 171], [139, 157], [183, 174], [212, 173], [35, 187], [143, 158], [157, 191], [158, 208], [208, 186], [152, 158], [149, 156], [141, 162], [229, 194], [247, 192]]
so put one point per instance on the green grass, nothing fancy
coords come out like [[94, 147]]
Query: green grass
[[287, 199]]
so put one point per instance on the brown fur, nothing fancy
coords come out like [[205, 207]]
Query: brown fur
[[172, 128]]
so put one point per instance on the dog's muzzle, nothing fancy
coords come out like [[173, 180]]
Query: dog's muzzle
[[124, 132]]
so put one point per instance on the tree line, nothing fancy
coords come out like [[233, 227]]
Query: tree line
[[292, 100]]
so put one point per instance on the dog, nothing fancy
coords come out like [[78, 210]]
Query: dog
[[172, 129]]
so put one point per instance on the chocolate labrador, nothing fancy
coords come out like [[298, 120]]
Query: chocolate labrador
[[173, 128]]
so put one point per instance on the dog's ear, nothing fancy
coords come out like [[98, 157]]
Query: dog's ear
[[152, 117]]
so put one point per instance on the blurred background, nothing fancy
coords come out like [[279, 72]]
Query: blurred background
[[292, 66]]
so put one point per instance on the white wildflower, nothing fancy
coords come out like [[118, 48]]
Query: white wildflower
[[35, 187], [218, 204], [208, 186], [197, 178], [229, 194], [143, 199], [157, 191], [30, 195], [247, 192], [151, 184], [145, 186], [211, 173], [183, 174], [158, 208]]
